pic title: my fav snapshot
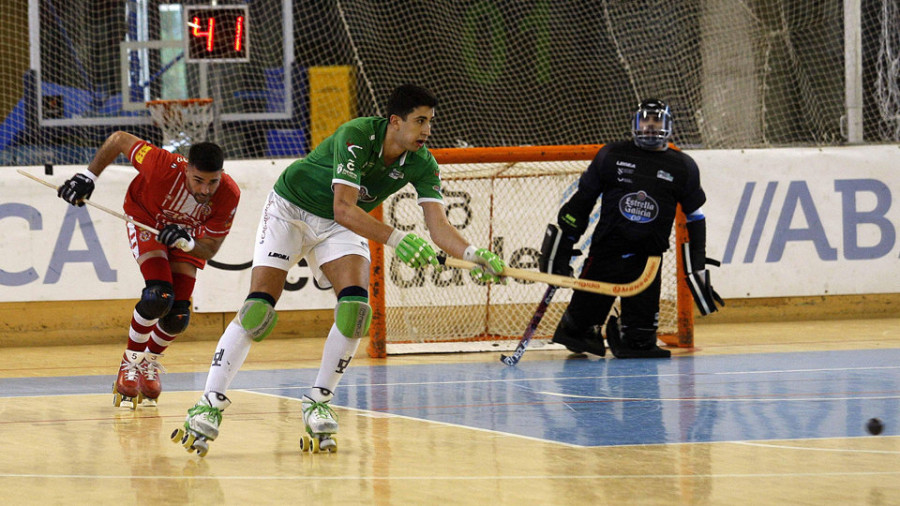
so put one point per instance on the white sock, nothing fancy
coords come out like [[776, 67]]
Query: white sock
[[335, 359], [232, 350]]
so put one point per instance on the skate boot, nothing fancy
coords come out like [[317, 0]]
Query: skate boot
[[321, 426], [578, 340], [622, 349], [202, 423], [149, 383], [126, 390]]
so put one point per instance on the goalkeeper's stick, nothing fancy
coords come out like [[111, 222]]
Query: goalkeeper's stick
[[532, 327], [586, 285], [138, 224]]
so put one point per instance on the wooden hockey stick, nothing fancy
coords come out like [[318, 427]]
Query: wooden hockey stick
[[138, 224], [532, 327], [586, 285]]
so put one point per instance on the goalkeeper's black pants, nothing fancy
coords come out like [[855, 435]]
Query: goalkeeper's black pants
[[640, 313]]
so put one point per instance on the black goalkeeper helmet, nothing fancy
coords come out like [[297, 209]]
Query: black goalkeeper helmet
[[655, 136]]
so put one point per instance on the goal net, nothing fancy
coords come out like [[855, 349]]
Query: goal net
[[736, 73], [502, 197]]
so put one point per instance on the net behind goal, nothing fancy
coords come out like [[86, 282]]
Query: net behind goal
[[502, 197]]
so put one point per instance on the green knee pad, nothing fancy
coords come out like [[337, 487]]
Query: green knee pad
[[258, 318], [353, 315]]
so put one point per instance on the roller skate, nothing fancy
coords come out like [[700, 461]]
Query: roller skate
[[202, 423], [321, 426], [149, 383], [126, 389]]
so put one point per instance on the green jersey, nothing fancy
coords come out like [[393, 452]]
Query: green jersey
[[353, 156]]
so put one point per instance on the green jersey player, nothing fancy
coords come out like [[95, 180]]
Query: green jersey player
[[318, 209]]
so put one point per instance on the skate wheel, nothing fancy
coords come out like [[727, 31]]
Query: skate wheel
[[177, 434], [305, 443], [201, 446], [187, 441], [117, 399], [329, 445], [314, 447]]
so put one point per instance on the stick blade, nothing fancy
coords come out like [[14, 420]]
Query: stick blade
[[509, 360]]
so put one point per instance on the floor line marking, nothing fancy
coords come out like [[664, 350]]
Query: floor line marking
[[456, 478], [787, 447]]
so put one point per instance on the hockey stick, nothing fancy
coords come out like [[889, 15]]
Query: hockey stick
[[532, 327], [138, 224], [586, 285]]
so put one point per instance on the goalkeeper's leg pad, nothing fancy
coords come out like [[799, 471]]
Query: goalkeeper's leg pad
[[576, 339], [623, 345]]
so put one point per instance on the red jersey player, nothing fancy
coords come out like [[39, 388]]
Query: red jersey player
[[192, 203]]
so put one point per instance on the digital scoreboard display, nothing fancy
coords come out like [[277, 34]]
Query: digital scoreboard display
[[216, 33]]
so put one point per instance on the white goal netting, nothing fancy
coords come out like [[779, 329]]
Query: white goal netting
[[506, 206], [737, 73]]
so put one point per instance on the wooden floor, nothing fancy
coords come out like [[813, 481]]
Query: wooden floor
[[62, 442]]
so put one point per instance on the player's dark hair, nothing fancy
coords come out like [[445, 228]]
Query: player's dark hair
[[407, 97], [206, 157]]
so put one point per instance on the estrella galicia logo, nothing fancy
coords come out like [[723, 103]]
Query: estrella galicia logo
[[639, 207], [351, 147], [364, 195]]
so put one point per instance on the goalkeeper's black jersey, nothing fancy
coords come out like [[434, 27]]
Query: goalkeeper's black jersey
[[640, 190]]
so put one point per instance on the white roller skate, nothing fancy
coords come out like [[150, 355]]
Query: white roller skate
[[202, 423], [125, 388], [321, 426]]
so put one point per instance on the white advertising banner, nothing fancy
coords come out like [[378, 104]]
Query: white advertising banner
[[795, 222], [784, 222]]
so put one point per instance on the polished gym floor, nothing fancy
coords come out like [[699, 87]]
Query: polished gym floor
[[759, 413]]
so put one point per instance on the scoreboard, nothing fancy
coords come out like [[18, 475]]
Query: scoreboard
[[216, 33]]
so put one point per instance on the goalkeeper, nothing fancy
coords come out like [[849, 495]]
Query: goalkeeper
[[641, 182], [318, 210]]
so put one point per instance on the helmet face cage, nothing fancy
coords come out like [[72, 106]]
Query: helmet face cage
[[656, 110]]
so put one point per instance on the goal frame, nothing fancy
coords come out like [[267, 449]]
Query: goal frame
[[683, 337]]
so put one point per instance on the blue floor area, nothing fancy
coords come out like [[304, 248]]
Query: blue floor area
[[590, 402]]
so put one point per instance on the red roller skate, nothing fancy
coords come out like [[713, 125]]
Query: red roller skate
[[150, 385], [125, 389]]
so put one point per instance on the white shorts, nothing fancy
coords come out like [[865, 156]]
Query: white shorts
[[287, 233]]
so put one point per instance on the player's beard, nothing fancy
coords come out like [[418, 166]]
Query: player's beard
[[201, 198]]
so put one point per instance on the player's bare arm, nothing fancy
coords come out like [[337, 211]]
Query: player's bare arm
[[205, 248], [349, 215], [489, 266], [118, 143], [443, 234]]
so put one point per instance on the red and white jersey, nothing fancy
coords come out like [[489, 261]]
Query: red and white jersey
[[159, 195]]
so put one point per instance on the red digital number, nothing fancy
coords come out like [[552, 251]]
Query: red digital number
[[210, 30], [238, 33]]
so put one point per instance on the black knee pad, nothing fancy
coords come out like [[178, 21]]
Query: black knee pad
[[177, 319], [156, 299]]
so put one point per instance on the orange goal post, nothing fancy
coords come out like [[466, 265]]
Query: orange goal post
[[502, 198]]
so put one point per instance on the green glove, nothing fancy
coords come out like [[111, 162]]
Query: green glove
[[416, 252], [490, 266]]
